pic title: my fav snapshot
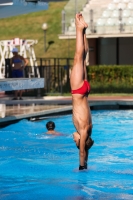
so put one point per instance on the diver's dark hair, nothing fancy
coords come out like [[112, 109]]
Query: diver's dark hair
[[50, 125]]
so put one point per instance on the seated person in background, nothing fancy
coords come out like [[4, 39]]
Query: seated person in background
[[18, 63], [50, 127]]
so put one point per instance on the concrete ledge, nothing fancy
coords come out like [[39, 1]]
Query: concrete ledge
[[66, 109], [36, 115], [110, 105], [64, 101]]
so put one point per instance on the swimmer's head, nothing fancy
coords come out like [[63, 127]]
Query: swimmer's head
[[50, 125]]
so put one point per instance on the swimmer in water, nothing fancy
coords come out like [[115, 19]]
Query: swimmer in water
[[50, 127], [80, 89]]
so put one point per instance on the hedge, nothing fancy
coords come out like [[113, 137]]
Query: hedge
[[111, 78]]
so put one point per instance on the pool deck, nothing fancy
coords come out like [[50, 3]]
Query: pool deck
[[31, 108]]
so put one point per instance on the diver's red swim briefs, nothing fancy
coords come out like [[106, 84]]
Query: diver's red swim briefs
[[84, 90]]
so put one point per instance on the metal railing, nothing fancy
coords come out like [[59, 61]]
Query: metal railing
[[109, 18], [71, 8], [56, 72]]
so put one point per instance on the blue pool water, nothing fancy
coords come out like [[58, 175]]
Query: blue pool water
[[36, 166]]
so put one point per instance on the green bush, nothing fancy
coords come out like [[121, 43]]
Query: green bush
[[111, 79]]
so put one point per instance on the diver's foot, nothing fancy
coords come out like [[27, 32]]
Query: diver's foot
[[79, 24], [83, 21], [89, 143]]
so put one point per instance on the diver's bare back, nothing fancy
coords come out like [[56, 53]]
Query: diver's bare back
[[81, 111]]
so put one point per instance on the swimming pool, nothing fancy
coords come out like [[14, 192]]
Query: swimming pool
[[35, 166]]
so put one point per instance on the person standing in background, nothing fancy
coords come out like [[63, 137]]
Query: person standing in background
[[18, 63]]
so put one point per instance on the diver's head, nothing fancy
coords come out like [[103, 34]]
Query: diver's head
[[50, 125]]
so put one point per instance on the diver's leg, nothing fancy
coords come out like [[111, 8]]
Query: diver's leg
[[20, 93], [86, 55], [77, 73], [16, 93]]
